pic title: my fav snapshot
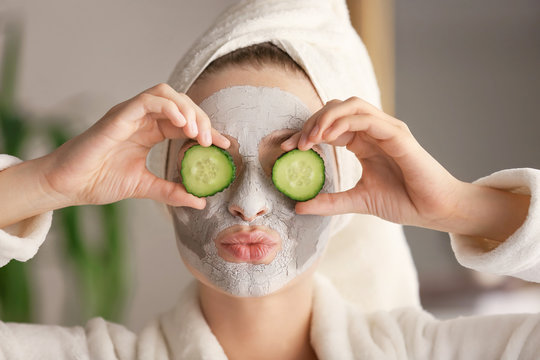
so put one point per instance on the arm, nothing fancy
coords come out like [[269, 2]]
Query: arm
[[402, 183], [106, 163], [23, 191]]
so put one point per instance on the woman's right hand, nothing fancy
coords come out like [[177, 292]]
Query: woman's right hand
[[107, 163]]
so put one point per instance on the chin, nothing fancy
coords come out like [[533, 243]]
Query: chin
[[294, 282]]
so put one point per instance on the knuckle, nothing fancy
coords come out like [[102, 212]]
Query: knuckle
[[169, 192], [344, 124], [360, 105], [403, 126], [116, 108], [170, 105], [162, 88], [326, 118], [329, 115], [183, 96], [143, 100]]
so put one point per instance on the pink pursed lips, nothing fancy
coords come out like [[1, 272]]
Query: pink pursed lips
[[252, 245]]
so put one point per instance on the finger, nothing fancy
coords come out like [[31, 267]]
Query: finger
[[184, 103], [333, 204], [308, 135], [198, 123], [309, 125], [291, 143], [220, 140], [394, 138], [369, 124], [362, 146], [351, 106], [173, 194], [135, 112], [169, 131], [159, 91], [204, 128]]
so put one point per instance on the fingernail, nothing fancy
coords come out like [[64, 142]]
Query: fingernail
[[226, 142], [207, 137], [302, 140], [181, 119], [193, 128], [202, 205], [314, 131], [287, 142]]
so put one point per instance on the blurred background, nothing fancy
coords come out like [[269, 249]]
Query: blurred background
[[465, 78]]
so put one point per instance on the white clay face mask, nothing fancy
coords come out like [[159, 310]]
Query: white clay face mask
[[249, 114]]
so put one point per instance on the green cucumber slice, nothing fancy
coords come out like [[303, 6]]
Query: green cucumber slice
[[299, 174], [207, 170]]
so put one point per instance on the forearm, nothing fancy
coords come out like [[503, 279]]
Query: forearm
[[24, 192], [485, 212]]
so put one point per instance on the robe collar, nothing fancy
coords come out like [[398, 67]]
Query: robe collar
[[188, 336]]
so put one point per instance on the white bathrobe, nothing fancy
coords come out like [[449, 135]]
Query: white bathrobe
[[339, 330]]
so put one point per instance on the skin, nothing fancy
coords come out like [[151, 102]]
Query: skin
[[401, 183], [257, 120]]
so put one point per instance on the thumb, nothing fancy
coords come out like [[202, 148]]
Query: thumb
[[344, 202], [173, 194]]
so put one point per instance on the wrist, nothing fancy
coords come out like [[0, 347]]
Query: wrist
[[485, 212], [23, 193], [50, 190]]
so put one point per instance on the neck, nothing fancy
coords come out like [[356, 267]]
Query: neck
[[276, 326]]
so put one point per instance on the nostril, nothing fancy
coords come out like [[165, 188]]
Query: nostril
[[237, 211]]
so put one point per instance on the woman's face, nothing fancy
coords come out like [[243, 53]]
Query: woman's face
[[249, 241]]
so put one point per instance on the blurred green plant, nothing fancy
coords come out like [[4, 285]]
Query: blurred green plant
[[100, 271]]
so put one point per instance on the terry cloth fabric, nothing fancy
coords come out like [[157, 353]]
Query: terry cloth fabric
[[339, 330], [318, 35], [501, 260]]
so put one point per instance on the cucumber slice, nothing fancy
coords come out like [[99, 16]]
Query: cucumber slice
[[207, 170], [299, 174]]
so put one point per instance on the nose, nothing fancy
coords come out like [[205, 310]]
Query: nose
[[240, 212], [249, 200]]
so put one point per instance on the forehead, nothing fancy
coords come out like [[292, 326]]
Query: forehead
[[249, 113]]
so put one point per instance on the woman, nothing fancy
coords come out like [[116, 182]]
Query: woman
[[275, 311]]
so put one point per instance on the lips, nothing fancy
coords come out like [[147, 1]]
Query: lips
[[256, 245]]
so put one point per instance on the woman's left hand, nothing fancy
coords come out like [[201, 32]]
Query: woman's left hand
[[401, 182]]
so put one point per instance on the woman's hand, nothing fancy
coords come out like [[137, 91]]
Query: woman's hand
[[400, 181], [107, 163]]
